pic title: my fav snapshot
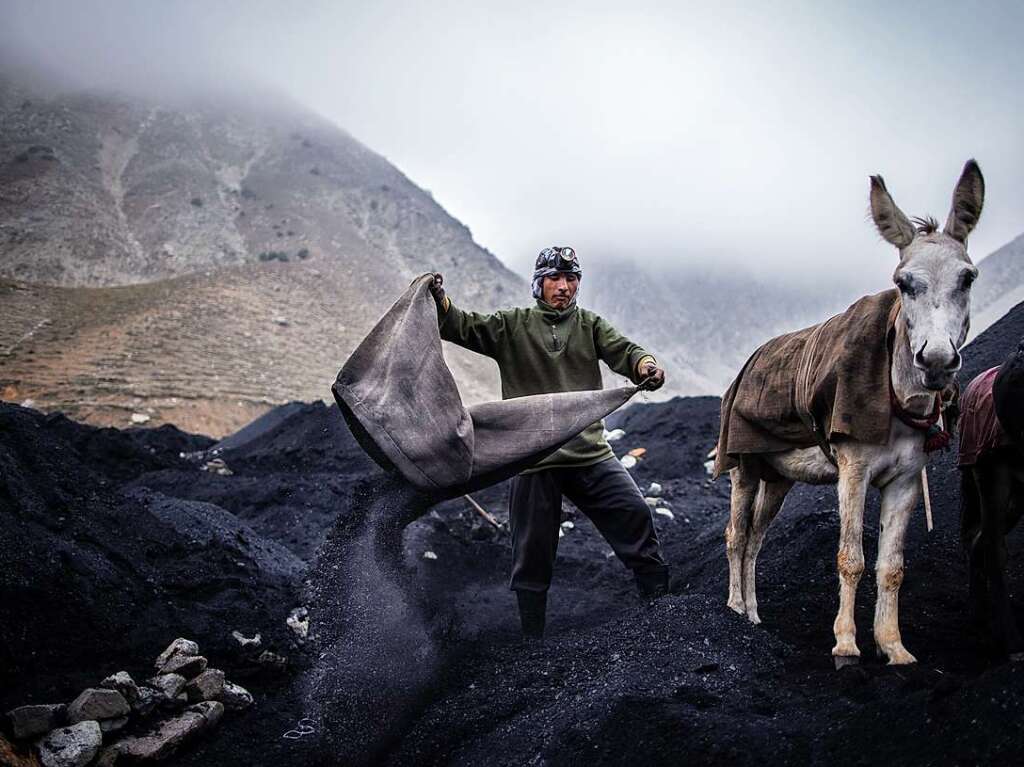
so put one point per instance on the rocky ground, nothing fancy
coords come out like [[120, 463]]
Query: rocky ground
[[117, 541]]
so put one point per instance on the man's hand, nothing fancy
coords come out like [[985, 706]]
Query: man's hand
[[437, 288], [651, 376]]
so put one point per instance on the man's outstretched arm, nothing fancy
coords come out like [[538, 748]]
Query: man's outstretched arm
[[625, 357], [477, 332]]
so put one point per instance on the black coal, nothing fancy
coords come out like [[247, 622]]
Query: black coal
[[112, 544]]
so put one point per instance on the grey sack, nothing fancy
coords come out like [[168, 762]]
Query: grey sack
[[401, 403]]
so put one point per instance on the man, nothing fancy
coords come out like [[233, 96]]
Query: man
[[555, 346]]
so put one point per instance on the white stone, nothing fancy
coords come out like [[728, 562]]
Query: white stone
[[568, 525], [179, 646], [665, 513], [235, 697], [298, 621], [170, 685], [29, 721], [140, 418], [709, 467], [615, 435], [124, 684], [73, 746], [628, 461], [97, 703], [654, 489], [187, 666], [247, 643], [207, 686], [218, 466], [652, 502], [429, 555], [272, 659]]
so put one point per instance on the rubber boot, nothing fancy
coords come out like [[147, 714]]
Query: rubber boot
[[533, 606], [652, 584]]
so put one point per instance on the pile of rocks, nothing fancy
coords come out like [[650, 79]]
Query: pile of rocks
[[121, 721]]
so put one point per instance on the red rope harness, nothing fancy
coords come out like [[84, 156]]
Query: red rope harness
[[936, 438]]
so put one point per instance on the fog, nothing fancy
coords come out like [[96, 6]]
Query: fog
[[685, 134]]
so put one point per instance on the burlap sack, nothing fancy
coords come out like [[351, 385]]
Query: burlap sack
[[403, 406]]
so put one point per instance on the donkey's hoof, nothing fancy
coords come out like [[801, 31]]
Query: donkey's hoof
[[900, 657], [737, 607], [753, 617], [842, 661]]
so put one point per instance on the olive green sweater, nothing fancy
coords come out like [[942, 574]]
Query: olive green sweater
[[540, 350]]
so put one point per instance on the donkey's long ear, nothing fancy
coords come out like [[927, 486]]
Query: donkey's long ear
[[968, 197], [892, 224]]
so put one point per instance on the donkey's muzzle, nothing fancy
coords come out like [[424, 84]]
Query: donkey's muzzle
[[938, 369]]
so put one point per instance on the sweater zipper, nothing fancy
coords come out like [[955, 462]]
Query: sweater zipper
[[554, 339]]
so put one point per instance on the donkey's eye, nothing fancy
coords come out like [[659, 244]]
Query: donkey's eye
[[906, 285], [967, 279]]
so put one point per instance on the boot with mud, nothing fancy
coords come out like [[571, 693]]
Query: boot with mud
[[533, 607], [652, 584]]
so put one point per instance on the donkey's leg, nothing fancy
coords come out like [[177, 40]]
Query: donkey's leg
[[769, 500], [995, 483], [853, 483], [970, 539], [744, 489], [899, 498]]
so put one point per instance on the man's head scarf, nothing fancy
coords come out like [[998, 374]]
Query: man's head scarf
[[549, 264]]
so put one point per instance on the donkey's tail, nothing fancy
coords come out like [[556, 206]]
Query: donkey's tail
[[970, 508]]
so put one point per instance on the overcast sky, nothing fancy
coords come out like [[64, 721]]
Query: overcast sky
[[675, 133]]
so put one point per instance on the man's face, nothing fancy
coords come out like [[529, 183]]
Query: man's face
[[560, 289]]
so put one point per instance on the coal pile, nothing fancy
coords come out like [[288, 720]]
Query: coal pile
[[97, 570], [119, 539]]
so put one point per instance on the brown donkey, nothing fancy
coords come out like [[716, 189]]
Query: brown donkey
[[853, 401]]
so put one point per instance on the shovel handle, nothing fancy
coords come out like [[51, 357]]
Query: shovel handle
[[927, 499], [482, 511]]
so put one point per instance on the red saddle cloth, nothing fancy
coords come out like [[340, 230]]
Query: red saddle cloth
[[980, 430]]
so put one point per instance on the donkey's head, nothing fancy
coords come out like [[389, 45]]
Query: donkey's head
[[934, 275]]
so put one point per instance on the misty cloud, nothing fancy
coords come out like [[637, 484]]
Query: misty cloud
[[667, 133]]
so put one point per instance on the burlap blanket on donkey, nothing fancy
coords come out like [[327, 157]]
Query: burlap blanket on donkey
[[805, 388], [980, 430], [403, 406]]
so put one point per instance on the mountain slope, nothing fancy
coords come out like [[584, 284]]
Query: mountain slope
[[1000, 285], [103, 190], [200, 263]]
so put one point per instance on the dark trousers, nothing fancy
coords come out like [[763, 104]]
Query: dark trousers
[[606, 493]]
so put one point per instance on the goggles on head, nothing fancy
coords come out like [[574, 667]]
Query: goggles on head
[[562, 259]]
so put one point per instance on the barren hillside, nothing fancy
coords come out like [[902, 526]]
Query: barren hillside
[[250, 246], [205, 352]]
